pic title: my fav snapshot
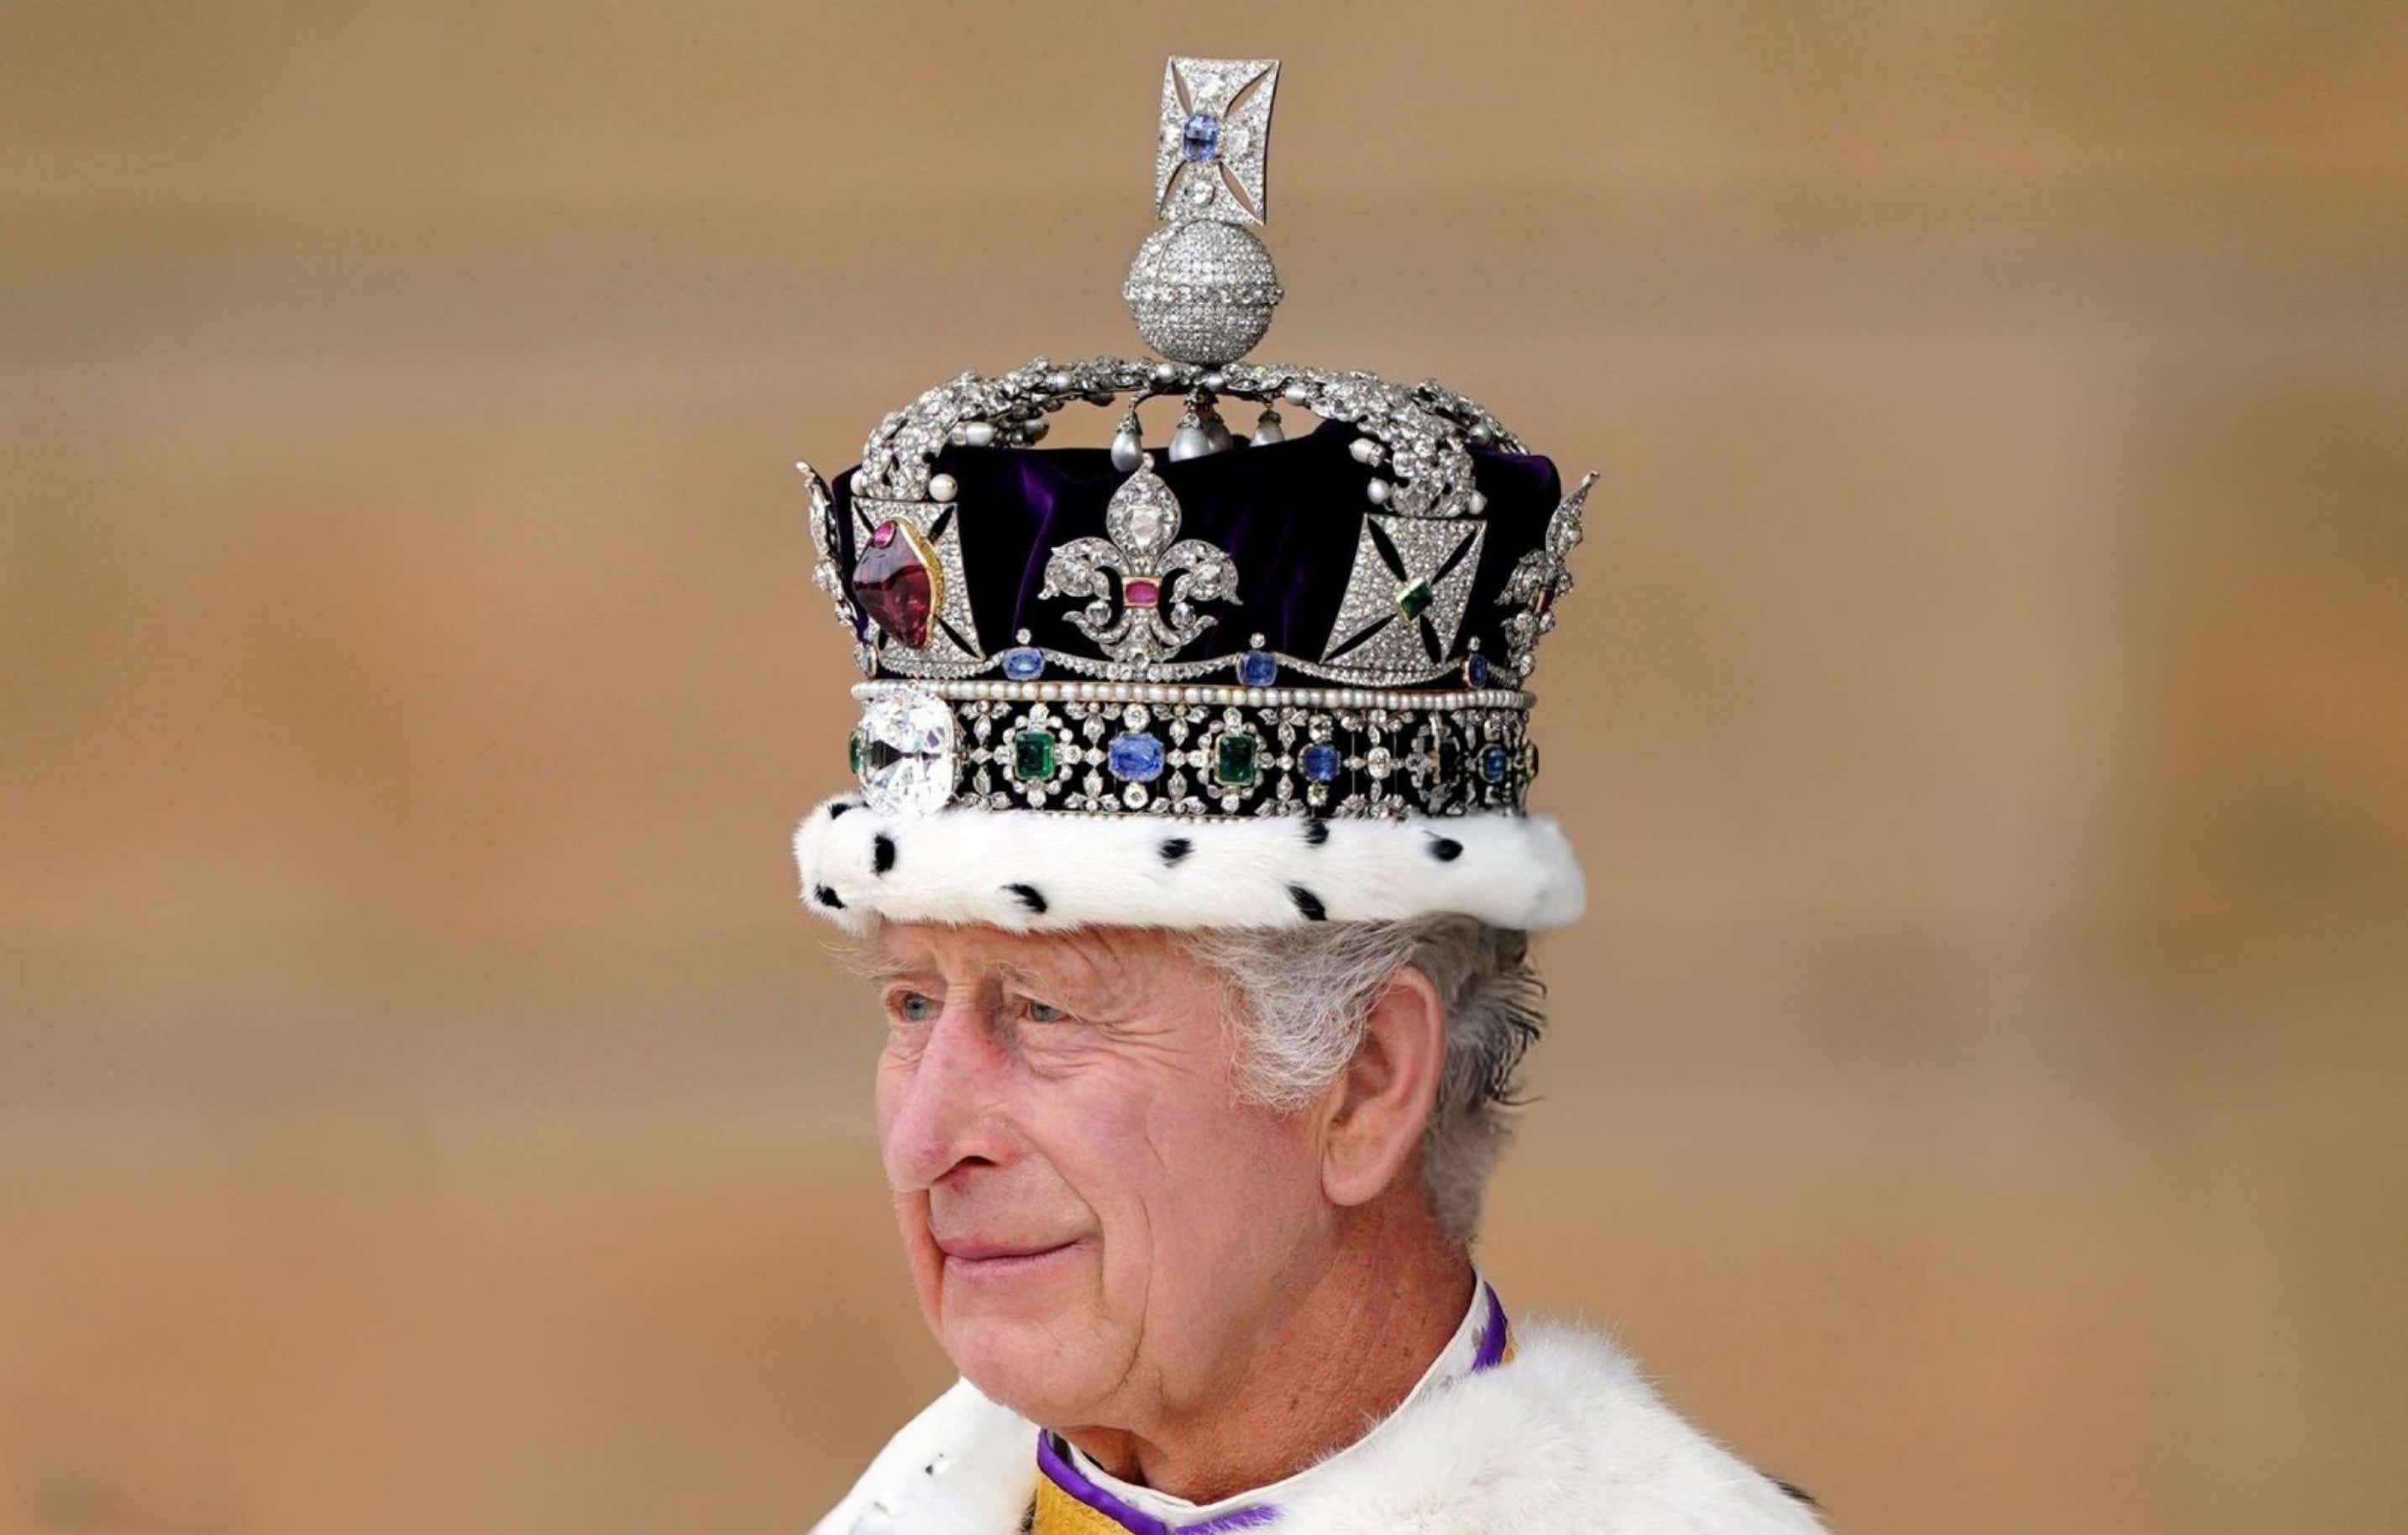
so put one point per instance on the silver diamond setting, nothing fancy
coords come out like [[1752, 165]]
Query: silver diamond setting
[[824, 574], [1202, 292], [1144, 610], [1394, 554], [1539, 579]]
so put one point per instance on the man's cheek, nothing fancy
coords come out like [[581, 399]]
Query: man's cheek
[[1110, 1162], [888, 1099]]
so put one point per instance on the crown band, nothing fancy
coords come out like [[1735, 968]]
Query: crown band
[[1098, 749]]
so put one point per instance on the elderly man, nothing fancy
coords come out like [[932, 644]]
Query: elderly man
[[1190, 852]]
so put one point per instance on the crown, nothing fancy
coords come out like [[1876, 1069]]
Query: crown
[[1335, 625]]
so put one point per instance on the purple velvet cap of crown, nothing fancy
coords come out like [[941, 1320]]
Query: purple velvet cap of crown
[[1288, 513]]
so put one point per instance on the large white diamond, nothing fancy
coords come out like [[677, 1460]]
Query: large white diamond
[[1143, 516], [907, 753]]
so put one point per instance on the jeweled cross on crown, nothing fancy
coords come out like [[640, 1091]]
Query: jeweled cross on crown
[[1211, 159]]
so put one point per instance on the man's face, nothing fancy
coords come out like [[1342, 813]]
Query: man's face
[[1097, 1227]]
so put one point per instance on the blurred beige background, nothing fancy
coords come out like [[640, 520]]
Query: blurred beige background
[[1980, 1092]]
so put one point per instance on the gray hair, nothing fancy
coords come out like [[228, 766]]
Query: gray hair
[[1305, 993]]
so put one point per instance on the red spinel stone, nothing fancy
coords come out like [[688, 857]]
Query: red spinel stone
[[1141, 593], [894, 587]]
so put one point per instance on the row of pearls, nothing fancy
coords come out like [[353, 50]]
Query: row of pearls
[[1159, 693]]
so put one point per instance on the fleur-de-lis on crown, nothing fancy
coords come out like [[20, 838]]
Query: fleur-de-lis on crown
[[1153, 616]]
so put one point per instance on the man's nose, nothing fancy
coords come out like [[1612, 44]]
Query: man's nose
[[946, 1112]]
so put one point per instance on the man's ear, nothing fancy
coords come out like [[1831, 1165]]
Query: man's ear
[[1374, 1114]]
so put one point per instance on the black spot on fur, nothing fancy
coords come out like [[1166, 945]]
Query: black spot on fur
[[1316, 830], [882, 852], [1446, 850], [840, 808], [1176, 847], [1306, 901], [1029, 896], [1793, 1490], [828, 898]]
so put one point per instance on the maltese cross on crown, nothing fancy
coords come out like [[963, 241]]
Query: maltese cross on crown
[[1212, 158]]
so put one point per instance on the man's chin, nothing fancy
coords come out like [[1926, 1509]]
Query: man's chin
[[1039, 1368]]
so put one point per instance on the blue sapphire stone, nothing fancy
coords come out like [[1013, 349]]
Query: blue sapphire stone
[[1024, 663], [1200, 140], [1495, 762], [1135, 757], [1475, 670], [1319, 762], [1257, 668]]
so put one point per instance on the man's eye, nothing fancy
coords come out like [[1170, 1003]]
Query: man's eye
[[914, 1007], [1042, 1012]]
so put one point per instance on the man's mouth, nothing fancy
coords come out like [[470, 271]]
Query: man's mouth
[[983, 1256]]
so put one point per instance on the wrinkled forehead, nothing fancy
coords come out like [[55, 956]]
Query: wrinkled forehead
[[1102, 963]]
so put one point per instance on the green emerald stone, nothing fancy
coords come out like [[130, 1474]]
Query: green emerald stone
[[853, 753], [1415, 599], [1032, 755], [1238, 761]]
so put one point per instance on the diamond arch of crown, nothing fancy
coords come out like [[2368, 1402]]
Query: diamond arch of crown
[[1423, 432], [1416, 446]]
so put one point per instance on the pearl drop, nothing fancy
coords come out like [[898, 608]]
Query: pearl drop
[[1267, 430], [1378, 491], [941, 487], [1189, 442], [1128, 451], [978, 434], [1479, 502], [1363, 451], [1216, 435]]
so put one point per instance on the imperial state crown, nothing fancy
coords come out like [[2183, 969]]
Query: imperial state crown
[[1230, 681]]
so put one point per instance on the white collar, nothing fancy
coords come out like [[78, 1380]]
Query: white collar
[[1478, 1340]]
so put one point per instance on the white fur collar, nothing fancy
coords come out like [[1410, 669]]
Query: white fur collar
[[1565, 1437]]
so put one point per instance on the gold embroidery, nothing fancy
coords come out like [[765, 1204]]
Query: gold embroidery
[[1059, 1514]]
